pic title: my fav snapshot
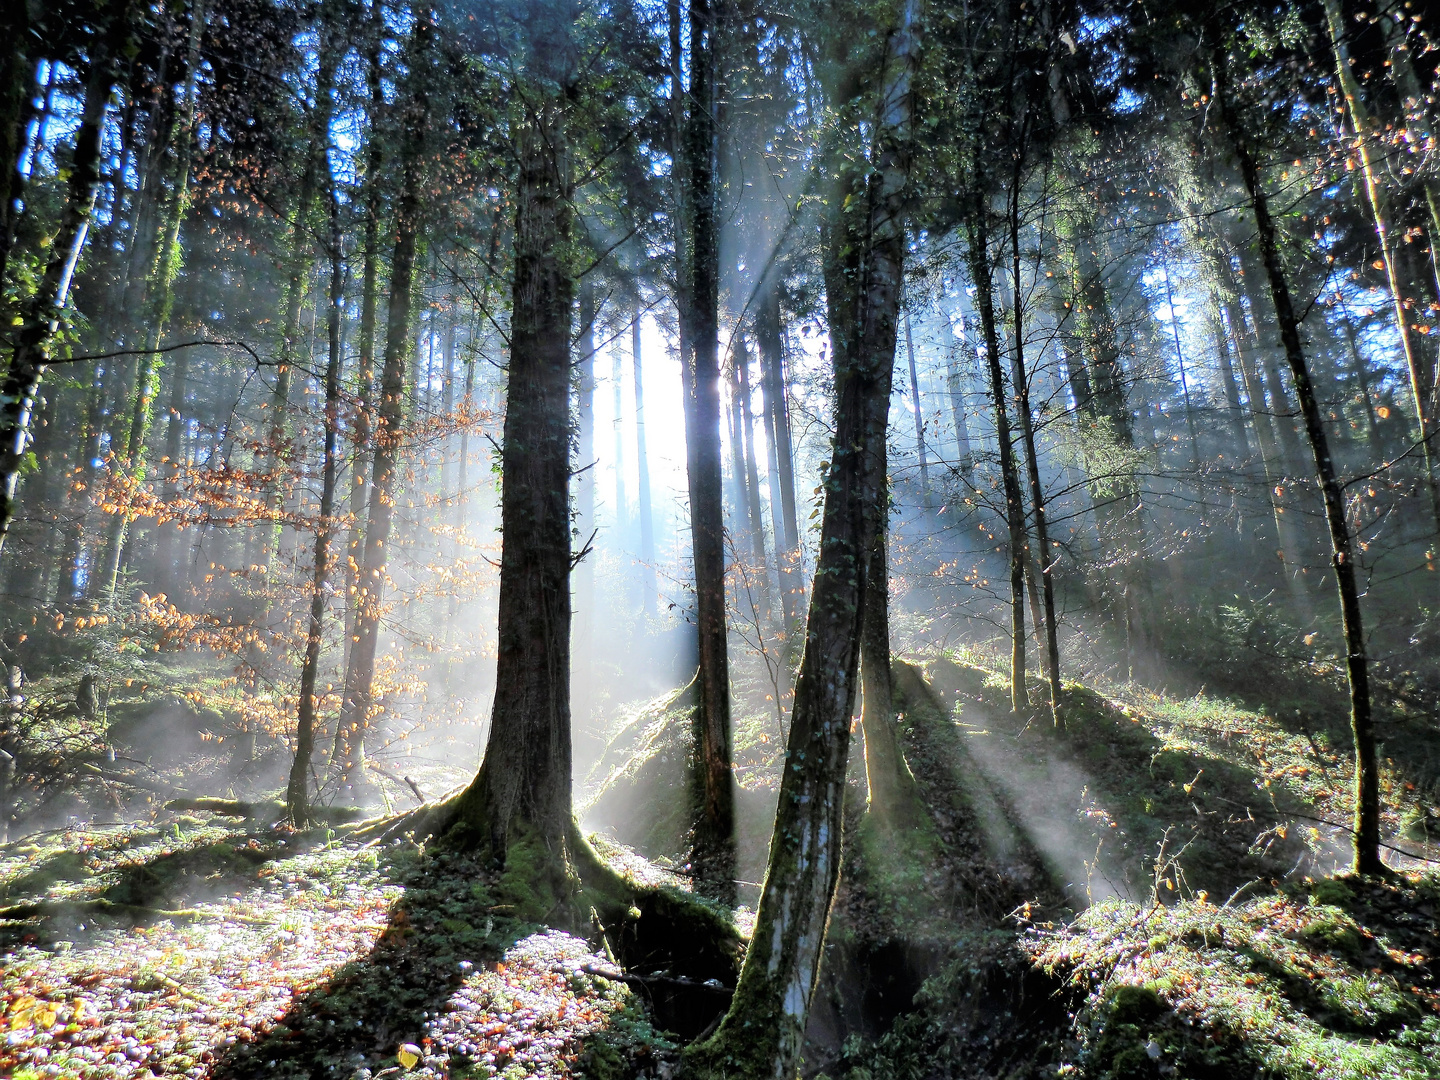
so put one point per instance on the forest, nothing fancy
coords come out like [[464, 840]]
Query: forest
[[845, 539]]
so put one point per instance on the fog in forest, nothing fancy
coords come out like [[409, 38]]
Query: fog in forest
[[695, 540]]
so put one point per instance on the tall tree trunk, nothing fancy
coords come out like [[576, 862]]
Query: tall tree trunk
[[1361, 366], [762, 1034], [33, 340], [980, 272], [1227, 378], [648, 587], [1422, 376], [890, 785], [752, 475], [160, 289], [583, 634], [617, 404], [1366, 831], [523, 786], [358, 705], [770, 339], [712, 853], [954, 385], [1021, 380], [297, 792], [364, 422], [919, 415]]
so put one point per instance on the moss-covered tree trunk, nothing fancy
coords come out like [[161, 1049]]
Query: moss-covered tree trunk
[[763, 1033]]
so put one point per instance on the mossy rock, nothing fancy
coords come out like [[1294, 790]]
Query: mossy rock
[[1131, 1004]]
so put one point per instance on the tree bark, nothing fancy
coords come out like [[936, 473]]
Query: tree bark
[[1045, 558], [713, 848], [770, 339], [648, 587], [523, 786], [919, 416], [1366, 831], [297, 793], [763, 1032], [364, 421], [1422, 377], [583, 636], [358, 706], [31, 352], [980, 272]]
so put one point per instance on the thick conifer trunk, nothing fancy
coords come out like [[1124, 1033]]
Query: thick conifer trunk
[[523, 786]]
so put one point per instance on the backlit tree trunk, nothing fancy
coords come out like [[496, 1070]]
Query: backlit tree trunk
[[357, 706], [763, 1032], [980, 273], [713, 850], [297, 793]]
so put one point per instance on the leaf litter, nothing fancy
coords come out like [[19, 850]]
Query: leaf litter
[[294, 955]]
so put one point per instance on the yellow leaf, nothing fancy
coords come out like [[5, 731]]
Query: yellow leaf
[[409, 1055], [45, 1018]]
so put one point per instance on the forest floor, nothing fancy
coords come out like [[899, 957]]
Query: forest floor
[[1145, 891], [188, 947]]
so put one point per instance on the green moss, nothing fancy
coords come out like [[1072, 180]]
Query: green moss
[[1332, 891], [1336, 933], [534, 881], [1128, 1003]]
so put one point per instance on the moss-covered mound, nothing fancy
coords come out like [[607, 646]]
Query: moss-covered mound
[[1330, 978], [639, 791]]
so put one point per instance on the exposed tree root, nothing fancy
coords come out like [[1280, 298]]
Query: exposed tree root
[[692, 943]]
